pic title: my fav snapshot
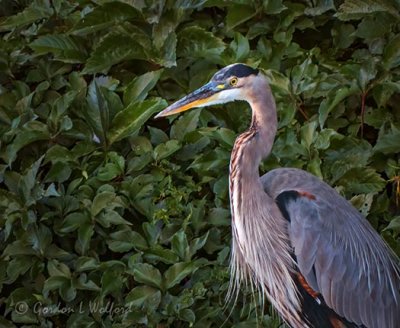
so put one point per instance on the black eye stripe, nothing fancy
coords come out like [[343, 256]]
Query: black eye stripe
[[241, 70], [237, 70]]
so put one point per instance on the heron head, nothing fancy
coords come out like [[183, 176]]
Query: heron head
[[228, 84]]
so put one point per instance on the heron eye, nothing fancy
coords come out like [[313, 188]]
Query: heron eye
[[233, 82]]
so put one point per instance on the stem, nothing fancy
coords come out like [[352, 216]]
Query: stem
[[363, 96]]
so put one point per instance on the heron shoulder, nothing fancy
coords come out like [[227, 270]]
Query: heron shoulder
[[336, 247], [283, 179]]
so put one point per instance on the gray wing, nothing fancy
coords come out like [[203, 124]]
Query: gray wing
[[338, 252]]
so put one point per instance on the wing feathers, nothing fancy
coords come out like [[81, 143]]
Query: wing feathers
[[343, 258]]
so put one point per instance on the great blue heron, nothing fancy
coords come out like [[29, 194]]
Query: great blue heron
[[315, 257]]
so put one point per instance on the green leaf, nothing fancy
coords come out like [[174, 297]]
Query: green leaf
[[186, 123], [320, 7], [371, 27], [18, 247], [18, 266], [213, 161], [177, 272], [8, 324], [198, 243], [166, 149], [302, 77], [219, 216], [187, 315], [362, 181], [104, 16], [195, 42], [191, 150], [55, 252], [147, 274], [83, 283], [335, 98], [220, 187], [157, 136], [98, 111], [240, 47], [394, 224], [138, 89], [353, 154], [141, 145], [40, 238], [54, 282], [160, 254], [28, 182], [363, 203], [73, 221], [56, 268], [59, 172], [109, 172], [388, 143], [278, 81], [59, 153], [366, 73], [65, 48], [151, 231], [190, 4], [101, 201], [85, 233], [167, 54], [132, 118], [85, 263], [382, 94], [140, 295], [224, 136], [356, 9], [125, 240], [78, 319], [64, 286], [343, 35], [32, 132], [180, 246], [112, 49], [324, 138], [38, 9], [111, 281], [111, 217], [308, 132], [391, 54], [239, 14], [113, 169]]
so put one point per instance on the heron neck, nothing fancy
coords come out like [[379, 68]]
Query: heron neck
[[264, 121], [256, 143], [260, 246]]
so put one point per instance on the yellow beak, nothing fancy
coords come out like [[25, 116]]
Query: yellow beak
[[198, 98]]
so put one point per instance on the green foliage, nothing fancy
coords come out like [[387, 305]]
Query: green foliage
[[110, 218]]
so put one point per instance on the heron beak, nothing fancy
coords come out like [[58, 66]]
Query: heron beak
[[201, 97]]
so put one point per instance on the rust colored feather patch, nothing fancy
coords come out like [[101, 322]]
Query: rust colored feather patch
[[307, 194], [336, 322], [306, 286]]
